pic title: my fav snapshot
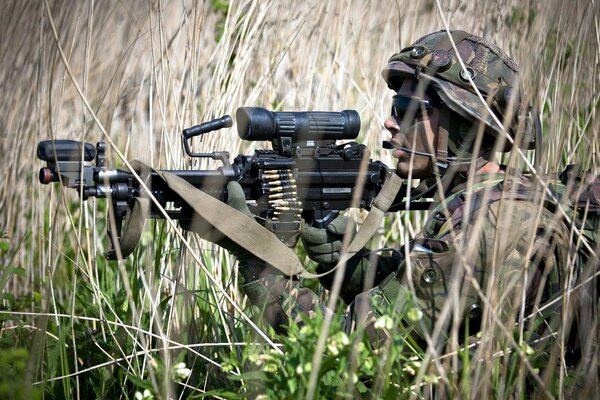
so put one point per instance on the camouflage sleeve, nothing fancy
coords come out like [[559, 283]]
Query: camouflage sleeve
[[282, 300], [490, 270], [363, 271]]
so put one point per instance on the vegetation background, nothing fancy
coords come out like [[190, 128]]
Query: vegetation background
[[138, 72]]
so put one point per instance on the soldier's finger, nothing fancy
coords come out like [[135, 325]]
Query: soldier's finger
[[325, 248], [341, 224], [236, 198], [315, 235]]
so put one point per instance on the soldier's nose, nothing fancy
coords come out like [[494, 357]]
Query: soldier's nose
[[391, 125]]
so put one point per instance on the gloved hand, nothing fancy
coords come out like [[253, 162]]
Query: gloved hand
[[324, 246], [236, 199]]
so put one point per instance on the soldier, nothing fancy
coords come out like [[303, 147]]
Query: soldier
[[488, 242], [490, 255]]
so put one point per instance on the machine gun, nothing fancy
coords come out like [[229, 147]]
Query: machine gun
[[307, 176]]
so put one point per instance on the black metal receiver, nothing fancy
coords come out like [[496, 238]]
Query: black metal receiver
[[307, 176]]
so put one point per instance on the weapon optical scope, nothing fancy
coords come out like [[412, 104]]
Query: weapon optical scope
[[255, 123]]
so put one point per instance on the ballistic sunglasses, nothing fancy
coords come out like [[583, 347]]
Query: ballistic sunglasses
[[403, 105]]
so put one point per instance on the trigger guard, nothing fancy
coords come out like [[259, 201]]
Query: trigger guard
[[323, 219]]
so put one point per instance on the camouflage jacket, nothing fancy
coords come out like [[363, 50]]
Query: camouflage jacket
[[491, 257]]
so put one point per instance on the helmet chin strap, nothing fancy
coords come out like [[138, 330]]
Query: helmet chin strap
[[442, 160]]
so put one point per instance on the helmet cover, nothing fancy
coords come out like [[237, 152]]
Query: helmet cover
[[493, 72]]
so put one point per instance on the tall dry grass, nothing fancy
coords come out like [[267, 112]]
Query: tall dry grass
[[148, 69]]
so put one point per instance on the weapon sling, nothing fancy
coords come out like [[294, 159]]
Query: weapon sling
[[254, 237]]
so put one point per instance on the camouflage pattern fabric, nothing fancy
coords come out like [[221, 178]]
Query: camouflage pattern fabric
[[432, 59], [497, 264], [282, 300], [279, 299]]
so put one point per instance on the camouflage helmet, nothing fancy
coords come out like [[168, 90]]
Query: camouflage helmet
[[493, 72]]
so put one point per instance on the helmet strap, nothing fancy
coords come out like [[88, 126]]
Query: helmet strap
[[427, 187], [446, 169], [441, 146], [445, 165], [537, 125]]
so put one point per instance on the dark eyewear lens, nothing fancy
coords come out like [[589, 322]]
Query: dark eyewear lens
[[403, 104]]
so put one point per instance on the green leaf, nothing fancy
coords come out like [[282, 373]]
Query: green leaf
[[140, 382], [250, 376], [362, 389], [7, 296], [19, 271], [331, 378], [292, 385], [222, 393], [220, 5], [4, 245]]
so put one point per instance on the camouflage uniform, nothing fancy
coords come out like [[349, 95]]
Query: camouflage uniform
[[279, 299], [486, 246]]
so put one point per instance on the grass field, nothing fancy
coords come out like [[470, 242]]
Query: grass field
[[134, 73]]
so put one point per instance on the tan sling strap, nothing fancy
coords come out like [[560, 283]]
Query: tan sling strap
[[252, 236], [134, 223], [263, 243], [237, 226], [132, 232]]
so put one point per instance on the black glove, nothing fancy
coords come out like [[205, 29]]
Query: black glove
[[324, 246]]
